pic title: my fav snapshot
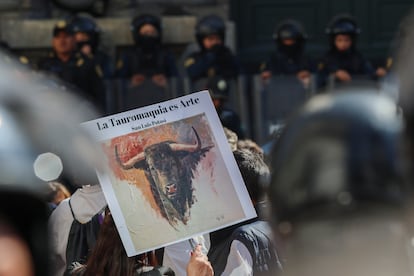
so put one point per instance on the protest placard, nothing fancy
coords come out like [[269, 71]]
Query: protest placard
[[171, 174]]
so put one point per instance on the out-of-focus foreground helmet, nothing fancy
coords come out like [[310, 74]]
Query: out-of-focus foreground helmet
[[35, 118], [337, 192], [404, 64], [209, 25]]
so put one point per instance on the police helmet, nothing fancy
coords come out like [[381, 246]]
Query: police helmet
[[343, 24], [84, 24], [339, 150], [289, 29], [62, 26], [141, 20], [209, 25]]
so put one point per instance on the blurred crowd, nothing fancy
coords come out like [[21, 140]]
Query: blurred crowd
[[332, 190]]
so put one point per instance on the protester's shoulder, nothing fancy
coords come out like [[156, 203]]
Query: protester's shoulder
[[87, 191], [248, 229], [60, 213]]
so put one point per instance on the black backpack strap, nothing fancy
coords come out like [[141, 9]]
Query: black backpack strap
[[256, 237], [81, 239], [71, 210]]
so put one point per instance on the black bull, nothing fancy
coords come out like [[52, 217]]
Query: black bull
[[169, 168]]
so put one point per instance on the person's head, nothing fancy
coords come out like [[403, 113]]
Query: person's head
[[209, 41], [146, 31], [210, 31], [342, 32], [250, 145], [109, 247], [290, 36], [58, 192], [86, 33], [254, 171], [63, 41], [219, 90], [336, 189], [343, 42]]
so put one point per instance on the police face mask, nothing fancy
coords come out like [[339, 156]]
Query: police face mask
[[148, 42], [291, 50]]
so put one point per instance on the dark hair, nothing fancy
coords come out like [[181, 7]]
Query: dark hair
[[108, 256], [254, 171], [250, 145]]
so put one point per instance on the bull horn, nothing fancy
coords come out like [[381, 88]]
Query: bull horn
[[187, 147], [131, 162]]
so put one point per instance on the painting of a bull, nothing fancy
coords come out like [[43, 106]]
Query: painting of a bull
[[169, 168]]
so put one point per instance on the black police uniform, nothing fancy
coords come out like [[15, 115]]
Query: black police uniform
[[81, 72], [281, 63], [351, 61], [105, 62], [256, 235], [146, 62], [217, 61], [289, 60]]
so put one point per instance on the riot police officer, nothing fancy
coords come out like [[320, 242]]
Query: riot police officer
[[87, 36], [343, 60], [289, 59], [80, 73], [148, 59], [214, 58]]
